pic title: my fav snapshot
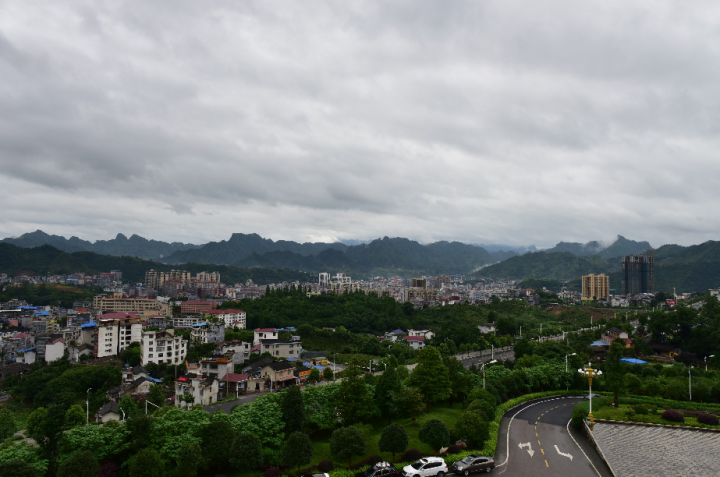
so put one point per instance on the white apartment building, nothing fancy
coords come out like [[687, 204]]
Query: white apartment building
[[231, 318], [162, 347], [115, 332], [264, 334], [195, 389]]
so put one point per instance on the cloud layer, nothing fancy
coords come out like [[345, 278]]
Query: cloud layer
[[488, 121]]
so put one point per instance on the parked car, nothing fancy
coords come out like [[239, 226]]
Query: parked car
[[381, 469], [426, 467], [473, 463]]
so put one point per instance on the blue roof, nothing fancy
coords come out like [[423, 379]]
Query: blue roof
[[87, 325], [29, 349], [28, 307], [42, 313], [633, 361], [319, 368], [199, 324], [308, 365], [154, 379], [599, 343], [291, 359]]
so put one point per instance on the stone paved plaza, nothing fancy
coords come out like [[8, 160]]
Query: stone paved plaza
[[638, 451]]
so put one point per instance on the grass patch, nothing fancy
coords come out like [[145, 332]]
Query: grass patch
[[623, 413]]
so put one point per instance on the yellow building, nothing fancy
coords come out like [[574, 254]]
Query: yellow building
[[107, 304], [595, 287]]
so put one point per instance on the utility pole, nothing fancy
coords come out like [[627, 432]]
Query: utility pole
[[87, 404]]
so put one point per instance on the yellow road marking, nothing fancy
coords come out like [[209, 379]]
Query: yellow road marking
[[541, 450], [536, 434], [536, 428], [546, 464], [539, 442]]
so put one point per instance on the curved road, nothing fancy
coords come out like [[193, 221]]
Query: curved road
[[536, 440]]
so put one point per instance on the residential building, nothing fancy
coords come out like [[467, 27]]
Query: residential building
[[197, 306], [281, 348], [279, 374], [115, 331], [595, 287], [637, 274], [104, 303], [616, 334], [195, 389], [420, 283], [208, 332], [487, 328], [162, 347], [231, 318], [216, 366], [108, 412], [54, 350], [264, 334], [428, 334], [416, 342]]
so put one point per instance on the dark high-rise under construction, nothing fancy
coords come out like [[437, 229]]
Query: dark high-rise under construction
[[637, 274]]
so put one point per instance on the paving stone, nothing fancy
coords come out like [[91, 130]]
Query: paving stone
[[640, 451]]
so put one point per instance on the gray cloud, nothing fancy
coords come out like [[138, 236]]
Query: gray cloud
[[475, 121]]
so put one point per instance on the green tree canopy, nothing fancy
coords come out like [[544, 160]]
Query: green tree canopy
[[430, 376], [435, 434], [614, 369], [298, 449], [472, 428], [147, 463], [394, 439], [189, 459], [246, 452], [75, 416], [80, 464], [293, 409], [347, 442]]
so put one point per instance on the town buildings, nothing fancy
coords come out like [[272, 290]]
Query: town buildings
[[162, 347], [113, 304]]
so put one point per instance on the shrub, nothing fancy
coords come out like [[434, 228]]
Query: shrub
[[642, 410], [454, 449], [411, 455], [630, 413], [325, 466], [370, 461], [673, 416], [273, 472], [579, 414], [708, 419]]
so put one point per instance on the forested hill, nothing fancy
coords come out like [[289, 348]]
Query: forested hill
[[48, 260], [135, 246], [386, 256], [687, 269]]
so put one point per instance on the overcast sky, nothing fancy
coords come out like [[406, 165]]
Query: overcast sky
[[485, 121]]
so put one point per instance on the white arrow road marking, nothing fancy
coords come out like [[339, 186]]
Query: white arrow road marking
[[563, 454], [529, 446]]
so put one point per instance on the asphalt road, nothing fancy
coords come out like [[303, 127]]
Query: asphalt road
[[478, 360], [536, 440]]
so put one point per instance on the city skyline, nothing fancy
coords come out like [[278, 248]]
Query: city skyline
[[481, 122]]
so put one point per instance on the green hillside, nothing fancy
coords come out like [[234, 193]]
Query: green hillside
[[47, 260]]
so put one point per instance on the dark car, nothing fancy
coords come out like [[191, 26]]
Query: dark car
[[473, 463], [381, 469]]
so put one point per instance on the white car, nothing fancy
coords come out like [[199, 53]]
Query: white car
[[426, 467]]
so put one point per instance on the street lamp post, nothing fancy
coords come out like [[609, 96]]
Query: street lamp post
[[540, 333], [151, 403], [706, 357], [334, 365], [483, 370], [690, 380], [492, 351], [566, 360], [87, 405], [590, 373], [520, 331], [123, 413]]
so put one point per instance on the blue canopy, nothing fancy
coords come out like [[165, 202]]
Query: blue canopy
[[633, 361], [599, 343]]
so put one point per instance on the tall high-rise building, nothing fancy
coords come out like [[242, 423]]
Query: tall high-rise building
[[419, 282], [595, 287], [637, 274]]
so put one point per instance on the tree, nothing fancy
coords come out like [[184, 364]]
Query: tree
[[354, 401], [80, 464], [189, 459], [314, 376], [132, 354], [327, 373], [472, 428], [430, 376], [8, 426], [215, 455], [410, 401], [394, 439], [506, 326], [388, 384], [293, 410], [147, 463], [347, 442], [75, 416], [156, 396], [140, 428], [614, 369], [246, 452], [17, 468], [435, 434], [128, 406], [46, 426], [298, 449]]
